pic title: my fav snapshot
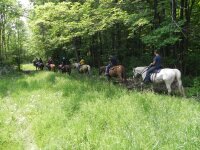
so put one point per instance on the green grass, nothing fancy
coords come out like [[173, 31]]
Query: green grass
[[75, 112], [28, 67]]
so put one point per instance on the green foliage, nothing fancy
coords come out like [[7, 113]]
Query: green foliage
[[57, 24], [195, 89], [162, 37]]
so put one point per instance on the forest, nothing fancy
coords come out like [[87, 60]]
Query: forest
[[95, 29], [46, 109]]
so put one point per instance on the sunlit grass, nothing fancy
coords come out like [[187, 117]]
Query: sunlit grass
[[77, 112], [27, 67]]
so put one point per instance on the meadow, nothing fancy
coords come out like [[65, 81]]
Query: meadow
[[47, 110]]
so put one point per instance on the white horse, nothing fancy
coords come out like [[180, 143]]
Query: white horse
[[83, 68], [166, 75]]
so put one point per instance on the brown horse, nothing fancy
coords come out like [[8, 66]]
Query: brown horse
[[65, 69], [116, 71], [51, 67]]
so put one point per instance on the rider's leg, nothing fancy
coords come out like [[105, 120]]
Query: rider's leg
[[149, 71], [107, 69], [79, 67]]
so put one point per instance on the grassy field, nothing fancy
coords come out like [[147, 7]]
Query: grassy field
[[46, 110]]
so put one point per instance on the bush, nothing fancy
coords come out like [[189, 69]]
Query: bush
[[194, 91]]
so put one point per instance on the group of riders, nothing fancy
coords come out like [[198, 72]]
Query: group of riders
[[39, 63], [155, 65]]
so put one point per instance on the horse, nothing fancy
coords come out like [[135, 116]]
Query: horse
[[38, 65], [166, 75], [51, 67], [65, 68], [83, 68], [116, 71]]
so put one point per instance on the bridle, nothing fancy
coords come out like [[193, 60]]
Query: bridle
[[143, 71]]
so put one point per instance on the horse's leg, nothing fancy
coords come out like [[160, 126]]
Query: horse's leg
[[168, 85], [124, 77], [87, 71], [108, 77], [120, 75], [180, 87], [141, 86]]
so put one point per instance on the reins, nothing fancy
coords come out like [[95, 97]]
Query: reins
[[145, 69]]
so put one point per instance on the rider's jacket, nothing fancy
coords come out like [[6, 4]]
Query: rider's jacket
[[82, 62], [113, 61], [157, 60], [50, 61]]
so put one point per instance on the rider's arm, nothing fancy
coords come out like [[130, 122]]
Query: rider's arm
[[153, 63]]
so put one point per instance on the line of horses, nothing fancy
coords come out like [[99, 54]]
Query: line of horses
[[166, 75], [63, 68]]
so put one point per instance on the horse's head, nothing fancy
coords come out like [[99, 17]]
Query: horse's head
[[74, 65], [102, 69], [136, 72], [139, 71]]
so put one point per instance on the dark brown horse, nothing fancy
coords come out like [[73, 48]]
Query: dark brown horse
[[38, 65], [65, 69], [116, 71]]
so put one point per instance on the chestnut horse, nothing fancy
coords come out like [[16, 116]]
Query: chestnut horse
[[51, 67], [116, 71]]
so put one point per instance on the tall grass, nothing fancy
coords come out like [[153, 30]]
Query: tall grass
[[77, 112]]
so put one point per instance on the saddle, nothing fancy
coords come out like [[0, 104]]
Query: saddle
[[112, 68], [157, 70], [154, 74]]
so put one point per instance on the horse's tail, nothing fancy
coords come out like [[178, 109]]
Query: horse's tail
[[123, 74], [89, 69], [179, 81]]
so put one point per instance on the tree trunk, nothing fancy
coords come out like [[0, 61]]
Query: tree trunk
[[156, 15]]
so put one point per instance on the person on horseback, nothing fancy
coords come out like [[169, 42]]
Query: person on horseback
[[155, 65], [40, 62], [112, 63], [35, 61], [49, 62], [64, 62], [82, 62]]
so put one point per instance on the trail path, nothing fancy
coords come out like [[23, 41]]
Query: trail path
[[24, 128]]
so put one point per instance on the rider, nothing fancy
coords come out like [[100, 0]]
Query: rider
[[50, 61], [82, 62], [112, 63], [40, 61], [35, 61], [156, 64], [64, 62]]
